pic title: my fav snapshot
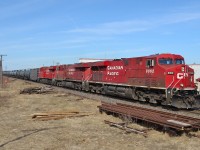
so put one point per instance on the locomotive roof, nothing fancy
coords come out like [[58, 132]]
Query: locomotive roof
[[168, 55], [103, 63], [106, 62], [163, 55]]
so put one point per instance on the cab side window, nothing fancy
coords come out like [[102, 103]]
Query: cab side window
[[150, 63]]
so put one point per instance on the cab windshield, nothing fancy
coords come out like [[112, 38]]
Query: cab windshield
[[165, 61], [179, 61]]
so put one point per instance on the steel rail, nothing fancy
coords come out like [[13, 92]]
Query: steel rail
[[164, 119]]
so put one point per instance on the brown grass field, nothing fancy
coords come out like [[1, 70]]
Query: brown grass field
[[18, 131]]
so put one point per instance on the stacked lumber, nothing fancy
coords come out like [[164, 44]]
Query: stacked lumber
[[58, 115]]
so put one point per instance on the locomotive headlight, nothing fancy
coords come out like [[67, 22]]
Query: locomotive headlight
[[170, 73], [181, 85], [182, 69]]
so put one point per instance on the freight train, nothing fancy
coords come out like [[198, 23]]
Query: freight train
[[160, 79]]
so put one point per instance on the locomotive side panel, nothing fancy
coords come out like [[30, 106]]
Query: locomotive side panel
[[145, 72], [42, 72], [115, 72], [60, 73]]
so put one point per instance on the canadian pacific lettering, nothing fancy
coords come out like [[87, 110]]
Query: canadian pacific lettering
[[112, 70]]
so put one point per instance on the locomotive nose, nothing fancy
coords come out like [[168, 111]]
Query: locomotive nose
[[184, 77]]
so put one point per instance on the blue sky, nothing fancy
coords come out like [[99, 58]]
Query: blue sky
[[34, 33]]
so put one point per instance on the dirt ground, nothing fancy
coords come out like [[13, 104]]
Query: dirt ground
[[18, 131]]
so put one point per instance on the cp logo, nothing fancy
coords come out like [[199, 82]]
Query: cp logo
[[181, 75]]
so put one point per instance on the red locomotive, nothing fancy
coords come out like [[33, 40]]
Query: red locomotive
[[159, 79], [46, 74]]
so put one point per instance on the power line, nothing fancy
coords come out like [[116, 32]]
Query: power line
[[1, 70]]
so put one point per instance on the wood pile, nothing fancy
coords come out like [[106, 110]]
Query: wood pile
[[59, 115], [123, 126], [37, 90]]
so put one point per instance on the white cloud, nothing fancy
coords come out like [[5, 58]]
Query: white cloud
[[14, 9], [115, 28], [112, 53], [131, 26], [19, 7], [179, 18]]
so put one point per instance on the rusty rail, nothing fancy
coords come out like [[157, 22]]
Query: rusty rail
[[124, 127], [164, 119]]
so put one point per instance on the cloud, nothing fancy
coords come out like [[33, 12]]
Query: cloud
[[115, 28], [20, 7], [30, 44], [13, 9], [132, 26], [179, 18], [113, 53]]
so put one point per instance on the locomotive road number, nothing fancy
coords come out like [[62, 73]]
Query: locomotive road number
[[149, 70], [71, 70], [70, 73]]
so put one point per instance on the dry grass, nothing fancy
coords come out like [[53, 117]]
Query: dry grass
[[18, 131]]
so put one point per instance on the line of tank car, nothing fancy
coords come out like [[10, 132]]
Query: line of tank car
[[162, 79]]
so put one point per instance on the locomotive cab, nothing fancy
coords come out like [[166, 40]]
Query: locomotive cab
[[179, 82]]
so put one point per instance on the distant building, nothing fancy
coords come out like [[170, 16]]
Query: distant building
[[85, 60], [196, 68]]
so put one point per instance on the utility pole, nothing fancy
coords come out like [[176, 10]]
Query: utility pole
[[1, 70]]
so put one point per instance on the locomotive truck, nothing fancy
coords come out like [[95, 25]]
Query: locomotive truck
[[161, 79]]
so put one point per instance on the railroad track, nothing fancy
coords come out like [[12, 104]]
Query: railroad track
[[193, 112], [167, 119], [109, 99], [112, 99], [183, 121], [162, 119]]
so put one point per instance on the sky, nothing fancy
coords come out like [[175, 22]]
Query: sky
[[35, 33]]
